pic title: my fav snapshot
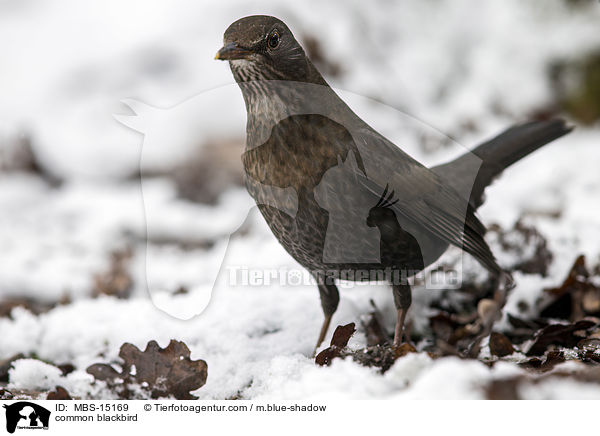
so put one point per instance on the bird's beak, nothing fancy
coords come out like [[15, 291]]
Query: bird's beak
[[231, 52]]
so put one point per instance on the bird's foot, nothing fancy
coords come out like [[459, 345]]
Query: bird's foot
[[399, 347], [403, 349]]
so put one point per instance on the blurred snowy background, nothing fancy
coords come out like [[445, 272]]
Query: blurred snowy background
[[73, 217]]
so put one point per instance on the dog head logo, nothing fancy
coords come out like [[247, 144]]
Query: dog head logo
[[26, 415]]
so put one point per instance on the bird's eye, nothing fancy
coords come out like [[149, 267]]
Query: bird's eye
[[274, 39]]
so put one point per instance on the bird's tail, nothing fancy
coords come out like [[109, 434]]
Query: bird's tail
[[501, 152]]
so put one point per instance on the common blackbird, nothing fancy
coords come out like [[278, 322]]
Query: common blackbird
[[343, 200]]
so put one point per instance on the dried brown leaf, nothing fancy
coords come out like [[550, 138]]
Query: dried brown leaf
[[500, 345], [163, 372], [373, 327], [546, 364], [5, 394], [577, 297], [117, 280], [341, 336], [403, 349], [592, 344], [59, 393], [34, 306], [558, 334]]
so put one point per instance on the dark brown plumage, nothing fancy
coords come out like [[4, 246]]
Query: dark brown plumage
[[360, 203]]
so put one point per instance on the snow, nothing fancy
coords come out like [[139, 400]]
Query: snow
[[411, 69], [34, 374]]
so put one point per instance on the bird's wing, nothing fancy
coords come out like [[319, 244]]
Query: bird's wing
[[423, 199]]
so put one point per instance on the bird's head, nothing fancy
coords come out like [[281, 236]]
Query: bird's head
[[378, 216], [261, 47], [382, 214]]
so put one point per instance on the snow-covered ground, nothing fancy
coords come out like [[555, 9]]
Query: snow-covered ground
[[416, 70]]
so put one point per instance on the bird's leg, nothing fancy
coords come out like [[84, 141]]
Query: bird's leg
[[323, 333], [330, 298], [402, 300]]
